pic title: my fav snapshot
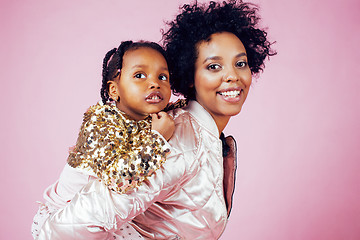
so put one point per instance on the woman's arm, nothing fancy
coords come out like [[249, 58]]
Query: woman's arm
[[57, 195], [96, 212], [64, 189]]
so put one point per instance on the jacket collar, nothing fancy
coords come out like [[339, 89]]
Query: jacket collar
[[203, 117]]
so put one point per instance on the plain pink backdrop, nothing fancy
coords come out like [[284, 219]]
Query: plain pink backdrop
[[298, 134]]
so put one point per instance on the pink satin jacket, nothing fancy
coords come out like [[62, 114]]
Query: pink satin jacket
[[189, 197]]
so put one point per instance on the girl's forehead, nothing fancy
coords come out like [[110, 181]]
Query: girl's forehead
[[142, 56]]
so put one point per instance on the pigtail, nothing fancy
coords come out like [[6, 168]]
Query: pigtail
[[105, 73]]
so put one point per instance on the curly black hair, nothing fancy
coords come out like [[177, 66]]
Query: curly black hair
[[113, 60], [196, 23]]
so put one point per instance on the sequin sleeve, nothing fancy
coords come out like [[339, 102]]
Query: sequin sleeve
[[121, 152]]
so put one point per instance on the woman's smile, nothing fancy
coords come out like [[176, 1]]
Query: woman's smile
[[231, 94]]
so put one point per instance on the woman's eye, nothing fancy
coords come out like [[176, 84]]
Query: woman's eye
[[241, 64], [163, 77], [214, 67], [140, 75]]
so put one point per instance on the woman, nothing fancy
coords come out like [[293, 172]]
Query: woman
[[213, 51]]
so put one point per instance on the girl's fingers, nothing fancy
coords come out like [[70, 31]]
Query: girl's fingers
[[161, 114], [154, 116], [164, 114]]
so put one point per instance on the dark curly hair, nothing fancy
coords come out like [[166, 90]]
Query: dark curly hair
[[196, 23], [113, 60]]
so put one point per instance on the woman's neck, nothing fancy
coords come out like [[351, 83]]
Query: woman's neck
[[221, 122]]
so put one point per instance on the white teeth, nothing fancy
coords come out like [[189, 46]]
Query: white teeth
[[232, 94], [155, 97]]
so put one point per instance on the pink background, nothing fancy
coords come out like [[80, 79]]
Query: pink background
[[298, 134]]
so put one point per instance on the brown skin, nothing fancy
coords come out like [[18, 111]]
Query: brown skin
[[222, 77], [143, 88], [163, 123]]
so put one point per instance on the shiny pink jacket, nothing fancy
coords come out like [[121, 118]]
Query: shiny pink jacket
[[188, 198]]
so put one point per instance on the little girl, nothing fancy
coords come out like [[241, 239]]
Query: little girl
[[119, 142]]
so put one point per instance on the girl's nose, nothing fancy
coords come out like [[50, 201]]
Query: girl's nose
[[154, 84]]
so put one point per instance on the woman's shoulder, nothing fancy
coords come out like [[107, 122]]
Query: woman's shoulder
[[186, 136]]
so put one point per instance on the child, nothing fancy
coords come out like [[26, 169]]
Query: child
[[115, 141], [119, 142]]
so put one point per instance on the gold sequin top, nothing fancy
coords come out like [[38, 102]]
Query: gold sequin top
[[120, 151]]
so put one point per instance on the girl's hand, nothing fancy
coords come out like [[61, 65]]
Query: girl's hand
[[163, 123]]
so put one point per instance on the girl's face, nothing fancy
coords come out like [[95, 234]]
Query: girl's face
[[222, 76], [143, 85]]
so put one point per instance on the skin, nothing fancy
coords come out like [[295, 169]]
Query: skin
[[143, 84], [143, 88], [222, 76]]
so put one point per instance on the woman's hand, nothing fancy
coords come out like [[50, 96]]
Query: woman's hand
[[163, 123]]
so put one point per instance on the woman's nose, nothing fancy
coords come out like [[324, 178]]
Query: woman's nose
[[230, 75]]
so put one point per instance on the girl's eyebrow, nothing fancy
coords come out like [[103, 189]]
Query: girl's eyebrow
[[145, 66], [139, 66], [219, 58]]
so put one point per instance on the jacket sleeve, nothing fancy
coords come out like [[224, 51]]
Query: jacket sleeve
[[96, 211], [64, 189], [58, 195]]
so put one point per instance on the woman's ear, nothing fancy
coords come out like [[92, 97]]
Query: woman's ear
[[113, 90]]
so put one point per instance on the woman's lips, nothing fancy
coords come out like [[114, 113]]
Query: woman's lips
[[231, 94]]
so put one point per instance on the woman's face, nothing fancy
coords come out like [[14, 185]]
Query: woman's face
[[222, 76]]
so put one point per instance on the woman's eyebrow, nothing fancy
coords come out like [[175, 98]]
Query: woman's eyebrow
[[241, 54], [219, 58], [212, 58]]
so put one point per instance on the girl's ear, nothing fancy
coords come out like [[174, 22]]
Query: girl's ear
[[113, 90]]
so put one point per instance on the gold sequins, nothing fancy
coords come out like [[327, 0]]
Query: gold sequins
[[120, 151]]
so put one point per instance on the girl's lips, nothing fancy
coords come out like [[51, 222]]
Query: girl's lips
[[154, 97]]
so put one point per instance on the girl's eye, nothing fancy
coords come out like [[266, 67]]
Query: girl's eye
[[140, 75], [214, 67], [163, 77], [241, 64]]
